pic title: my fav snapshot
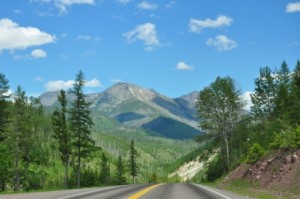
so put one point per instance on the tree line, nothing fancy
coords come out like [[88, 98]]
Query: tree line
[[35, 146], [272, 123]]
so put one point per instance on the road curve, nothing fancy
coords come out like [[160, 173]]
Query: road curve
[[146, 191]]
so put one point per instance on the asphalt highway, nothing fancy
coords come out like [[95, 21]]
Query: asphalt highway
[[147, 191]]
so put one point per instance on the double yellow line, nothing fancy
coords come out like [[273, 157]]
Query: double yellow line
[[139, 194]]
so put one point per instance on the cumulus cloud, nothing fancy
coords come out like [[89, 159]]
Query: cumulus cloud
[[60, 84], [123, 2], [13, 36], [146, 33], [145, 5], [183, 66], [293, 7], [38, 53], [221, 43], [62, 5], [247, 98], [197, 25]]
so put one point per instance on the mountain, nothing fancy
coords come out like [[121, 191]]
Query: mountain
[[132, 106]]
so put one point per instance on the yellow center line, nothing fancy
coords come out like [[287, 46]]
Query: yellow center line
[[140, 193]]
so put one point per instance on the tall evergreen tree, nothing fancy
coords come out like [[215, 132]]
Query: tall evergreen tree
[[105, 170], [219, 106], [264, 95], [80, 122], [120, 173], [62, 133], [3, 104], [133, 167], [282, 85], [20, 136], [294, 99]]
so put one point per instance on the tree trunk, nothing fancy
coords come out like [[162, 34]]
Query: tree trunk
[[78, 166], [17, 172], [67, 174], [227, 151]]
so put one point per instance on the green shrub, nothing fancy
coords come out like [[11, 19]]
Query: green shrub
[[255, 153], [286, 139], [215, 169]]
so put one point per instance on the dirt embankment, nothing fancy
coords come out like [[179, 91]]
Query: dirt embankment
[[277, 173]]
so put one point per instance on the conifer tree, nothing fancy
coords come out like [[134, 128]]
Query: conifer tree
[[294, 99], [80, 122], [105, 170], [133, 167], [120, 173], [62, 133], [20, 137], [3, 104]]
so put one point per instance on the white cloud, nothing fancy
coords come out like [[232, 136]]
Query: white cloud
[[62, 5], [144, 32], [17, 11], [124, 2], [71, 2], [247, 98], [39, 79], [115, 80], [293, 7], [170, 4], [84, 37], [93, 83], [222, 43], [183, 66], [60, 84], [145, 5], [88, 38], [38, 53], [13, 36], [196, 25]]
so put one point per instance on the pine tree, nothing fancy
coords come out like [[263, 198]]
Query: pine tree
[[282, 91], [294, 99], [120, 173], [62, 133], [80, 122], [20, 136], [264, 95], [4, 105], [105, 170], [133, 167]]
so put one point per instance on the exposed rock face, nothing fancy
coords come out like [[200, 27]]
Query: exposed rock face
[[280, 170]]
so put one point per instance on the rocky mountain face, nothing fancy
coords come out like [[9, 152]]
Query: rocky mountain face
[[136, 107]]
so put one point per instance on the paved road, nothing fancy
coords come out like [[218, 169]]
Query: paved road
[[148, 191]]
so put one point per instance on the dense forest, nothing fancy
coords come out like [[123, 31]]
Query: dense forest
[[62, 149], [272, 123], [41, 150]]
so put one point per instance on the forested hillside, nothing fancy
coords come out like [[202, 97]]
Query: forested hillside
[[269, 134], [40, 147]]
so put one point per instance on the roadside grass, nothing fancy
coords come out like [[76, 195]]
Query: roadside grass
[[251, 189]]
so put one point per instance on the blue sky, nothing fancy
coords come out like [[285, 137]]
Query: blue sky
[[172, 46]]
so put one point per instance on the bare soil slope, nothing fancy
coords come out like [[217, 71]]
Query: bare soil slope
[[278, 173]]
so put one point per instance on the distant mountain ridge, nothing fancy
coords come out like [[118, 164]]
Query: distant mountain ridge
[[136, 107]]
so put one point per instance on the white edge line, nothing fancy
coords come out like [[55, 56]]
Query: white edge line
[[79, 194], [213, 191]]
